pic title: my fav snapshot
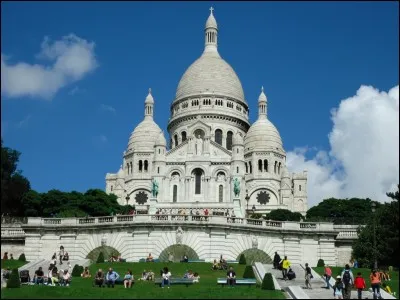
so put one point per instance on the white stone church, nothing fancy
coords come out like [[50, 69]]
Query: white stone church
[[212, 144]]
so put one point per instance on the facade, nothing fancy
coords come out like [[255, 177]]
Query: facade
[[212, 144]]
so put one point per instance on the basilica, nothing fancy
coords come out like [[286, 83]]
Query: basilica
[[215, 158]]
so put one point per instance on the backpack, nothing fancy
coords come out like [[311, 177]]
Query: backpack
[[346, 277]]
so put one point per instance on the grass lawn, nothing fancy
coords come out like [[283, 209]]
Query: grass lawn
[[15, 263], [206, 289], [393, 283]]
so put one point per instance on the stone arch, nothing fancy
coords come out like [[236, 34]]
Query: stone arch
[[255, 255], [178, 250], [191, 169], [107, 252], [268, 188], [172, 170], [220, 169]]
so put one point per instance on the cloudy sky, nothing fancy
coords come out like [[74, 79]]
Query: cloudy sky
[[74, 77]]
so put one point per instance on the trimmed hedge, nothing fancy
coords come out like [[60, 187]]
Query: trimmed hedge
[[100, 258], [242, 259], [77, 271], [268, 283], [22, 257], [248, 272], [13, 281], [321, 263]]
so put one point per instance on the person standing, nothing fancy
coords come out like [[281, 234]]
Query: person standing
[[308, 277], [348, 282], [359, 283], [231, 277], [375, 283], [277, 259], [166, 278], [285, 267], [61, 254], [338, 288], [327, 275]]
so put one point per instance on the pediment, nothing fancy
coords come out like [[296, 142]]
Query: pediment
[[183, 153]]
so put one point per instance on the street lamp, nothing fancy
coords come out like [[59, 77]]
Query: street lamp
[[373, 208], [247, 198]]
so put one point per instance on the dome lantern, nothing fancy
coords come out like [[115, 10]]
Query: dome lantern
[[262, 105], [211, 34], [148, 106]]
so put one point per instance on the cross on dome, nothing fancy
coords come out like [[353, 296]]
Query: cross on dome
[[149, 90], [211, 9]]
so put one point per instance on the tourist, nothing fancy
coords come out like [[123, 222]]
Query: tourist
[[166, 278], [231, 277], [7, 273], [53, 277], [65, 279], [86, 273], [5, 256], [99, 278], [144, 275], [38, 278], [190, 274], [348, 282], [54, 256], [327, 275], [150, 275], [149, 258], [215, 265], [291, 274], [111, 277], [66, 256], [170, 257], [384, 275], [128, 279], [61, 254], [355, 264], [338, 288], [196, 277], [359, 284], [375, 284], [285, 266], [308, 276], [387, 289], [11, 257], [277, 259], [185, 259]]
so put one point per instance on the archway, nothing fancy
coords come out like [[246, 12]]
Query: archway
[[107, 251], [255, 255], [178, 251]]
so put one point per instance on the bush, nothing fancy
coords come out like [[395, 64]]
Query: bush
[[268, 283], [77, 271], [320, 263], [13, 281], [248, 272], [22, 257], [242, 259], [100, 258]]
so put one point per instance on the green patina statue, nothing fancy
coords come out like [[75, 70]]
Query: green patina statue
[[154, 189], [236, 187]]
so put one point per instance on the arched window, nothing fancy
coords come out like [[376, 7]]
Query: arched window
[[140, 166], [159, 151], [229, 136], [260, 165], [265, 165], [183, 136], [158, 170], [300, 188], [197, 174], [237, 170], [275, 166], [279, 168], [146, 165], [176, 140], [247, 168], [174, 193], [237, 150], [221, 193], [218, 136], [250, 167], [127, 167]]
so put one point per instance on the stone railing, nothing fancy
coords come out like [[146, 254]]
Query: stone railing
[[13, 220], [12, 232]]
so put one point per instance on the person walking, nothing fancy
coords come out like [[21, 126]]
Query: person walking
[[277, 259], [348, 281], [327, 275], [338, 288], [359, 283], [308, 277], [375, 283], [285, 267]]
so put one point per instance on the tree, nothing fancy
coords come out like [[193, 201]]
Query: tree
[[386, 222], [268, 282], [13, 281], [248, 272], [13, 184], [242, 259], [100, 258], [283, 215]]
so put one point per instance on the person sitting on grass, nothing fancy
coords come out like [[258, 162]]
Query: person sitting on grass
[[128, 279], [38, 278], [99, 278], [215, 265], [65, 279], [86, 273], [231, 277], [144, 275], [149, 258], [196, 277], [111, 277], [150, 275], [53, 277], [186, 275], [166, 277]]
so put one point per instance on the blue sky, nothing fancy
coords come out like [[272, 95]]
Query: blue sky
[[308, 56]]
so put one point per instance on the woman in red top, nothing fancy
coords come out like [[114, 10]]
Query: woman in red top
[[328, 275], [375, 283], [359, 283]]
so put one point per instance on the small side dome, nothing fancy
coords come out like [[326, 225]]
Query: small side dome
[[149, 98], [145, 135], [161, 141], [262, 136]]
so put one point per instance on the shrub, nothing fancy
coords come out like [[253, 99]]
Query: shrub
[[320, 263], [242, 259], [13, 281], [77, 271], [22, 257], [100, 258], [268, 283], [248, 272]]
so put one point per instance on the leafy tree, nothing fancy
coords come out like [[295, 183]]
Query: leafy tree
[[77, 271], [13, 184], [320, 263], [22, 257], [13, 281], [268, 282], [283, 215], [100, 259], [385, 221]]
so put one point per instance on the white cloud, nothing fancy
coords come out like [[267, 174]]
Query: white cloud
[[71, 59], [109, 108], [364, 156]]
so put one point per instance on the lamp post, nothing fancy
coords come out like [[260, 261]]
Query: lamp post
[[247, 198], [373, 208]]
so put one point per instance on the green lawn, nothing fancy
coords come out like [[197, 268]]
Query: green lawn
[[8, 263], [206, 289], [393, 283]]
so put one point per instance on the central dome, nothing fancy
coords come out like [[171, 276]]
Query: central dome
[[210, 74]]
